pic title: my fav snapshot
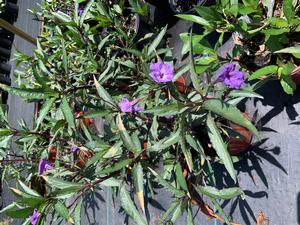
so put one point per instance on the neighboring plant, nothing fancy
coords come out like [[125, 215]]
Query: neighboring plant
[[90, 65], [266, 35]]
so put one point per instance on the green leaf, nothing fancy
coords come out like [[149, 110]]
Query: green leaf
[[115, 167], [171, 208], [157, 41], [167, 185], [61, 210], [290, 50], [138, 181], [288, 9], [163, 110], [128, 142], [219, 145], [207, 13], [68, 113], [77, 213], [129, 207], [244, 93], [226, 193], [229, 112], [62, 16], [166, 142], [195, 19], [28, 190], [189, 217], [272, 69], [104, 95], [85, 12], [96, 114], [180, 178], [61, 184], [44, 111], [178, 211], [287, 84], [28, 93], [20, 213], [194, 76]]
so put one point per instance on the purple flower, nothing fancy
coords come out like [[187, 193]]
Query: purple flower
[[34, 217], [129, 106], [80, 10], [43, 166], [74, 149], [161, 72], [231, 77]]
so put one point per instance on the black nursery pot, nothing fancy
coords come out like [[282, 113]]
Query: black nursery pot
[[186, 6], [11, 11]]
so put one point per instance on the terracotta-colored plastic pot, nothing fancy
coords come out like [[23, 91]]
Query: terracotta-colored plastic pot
[[237, 145]]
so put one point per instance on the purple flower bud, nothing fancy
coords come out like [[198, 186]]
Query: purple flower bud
[[34, 217], [43, 166], [127, 106], [80, 10], [74, 149], [161, 72], [231, 77]]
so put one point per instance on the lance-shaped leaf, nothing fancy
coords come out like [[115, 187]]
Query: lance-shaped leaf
[[180, 178], [77, 212], [157, 41], [128, 142], [30, 94], [44, 111], [68, 113], [220, 147], [229, 112], [104, 95], [130, 208], [61, 210], [138, 180], [61, 184], [272, 69], [195, 19], [171, 208], [167, 185], [115, 167], [226, 193]]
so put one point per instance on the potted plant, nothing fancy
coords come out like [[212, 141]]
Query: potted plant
[[149, 138], [181, 6]]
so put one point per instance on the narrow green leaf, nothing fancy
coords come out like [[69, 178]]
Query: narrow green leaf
[[115, 167], [28, 190], [68, 113], [244, 93], [272, 69], [167, 185], [128, 142], [288, 9], [44, 111], [28, 93], [163, 110], [194, 76], [195, 19], [171, 208], [180, 178], [189, 217], [220, 147], [104, 95], [290, 50], [130, 208], [62, 16], [61, 210], [138, 181], [85, 12], [157, 41], [61, 184], [226, 193], [229, 112], [77, 212]]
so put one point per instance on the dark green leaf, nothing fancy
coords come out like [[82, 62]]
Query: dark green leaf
[[220, 147], [61, 210], [229, 112], [68, 113], [226, 193], [157, 41], [272, 69], [130, 208]]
